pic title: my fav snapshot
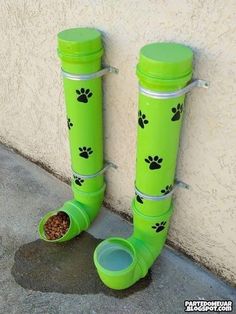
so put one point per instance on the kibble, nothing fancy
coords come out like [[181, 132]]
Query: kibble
[[56, 226]]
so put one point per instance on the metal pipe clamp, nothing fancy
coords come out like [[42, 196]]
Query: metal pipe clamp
[[85, 77], [162, 197], [94, 175], [180, 92]]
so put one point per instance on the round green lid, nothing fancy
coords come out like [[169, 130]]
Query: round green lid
[[164, 61], [80, 43]]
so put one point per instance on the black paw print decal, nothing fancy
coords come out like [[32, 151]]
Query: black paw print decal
[[142, 119], [159, 226], [69, 123], [84, 95], [167, 189], [154, 162], [85, 152], [78, 180], [139, 199], [177, 112]]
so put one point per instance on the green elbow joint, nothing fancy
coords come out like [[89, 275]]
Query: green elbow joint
[[81, 212], [122, 262]]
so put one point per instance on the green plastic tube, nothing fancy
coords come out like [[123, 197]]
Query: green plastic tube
[[80, 51], [162, 67]]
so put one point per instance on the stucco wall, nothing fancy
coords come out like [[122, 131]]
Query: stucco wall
[[32, 116]]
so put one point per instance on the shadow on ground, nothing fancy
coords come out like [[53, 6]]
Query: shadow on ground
[[65, 268]]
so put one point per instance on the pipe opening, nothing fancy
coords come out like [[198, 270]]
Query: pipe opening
[[55, 226], [115, 255]]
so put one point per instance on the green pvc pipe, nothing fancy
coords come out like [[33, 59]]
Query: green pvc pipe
[[162, 67], [80, 51]]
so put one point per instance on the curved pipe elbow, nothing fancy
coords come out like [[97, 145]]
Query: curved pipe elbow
[[81, 211], [122, 262]]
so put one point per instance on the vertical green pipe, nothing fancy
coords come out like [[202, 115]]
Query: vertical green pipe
[[80, 51], [162, 67]]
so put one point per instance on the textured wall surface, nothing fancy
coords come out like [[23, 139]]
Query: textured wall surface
[[32, 115]]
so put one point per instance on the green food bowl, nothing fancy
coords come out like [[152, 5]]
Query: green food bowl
[[78, 221], [115, 260]]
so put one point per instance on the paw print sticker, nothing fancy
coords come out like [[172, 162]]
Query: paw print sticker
[[139, 199], [177, 112], [85, 152], [159, 226], [154, 162], [142, 119], [69, 123], [83, 95], [78, 180], [167, 189]]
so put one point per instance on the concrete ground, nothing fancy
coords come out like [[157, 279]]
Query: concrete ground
[[36, 277]]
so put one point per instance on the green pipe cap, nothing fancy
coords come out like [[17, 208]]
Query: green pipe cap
[[165, 61], [80, 43]]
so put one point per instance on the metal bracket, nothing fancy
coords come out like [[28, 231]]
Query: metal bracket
[[94, 175], [180, 92], [85, 77], [178, 184]]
